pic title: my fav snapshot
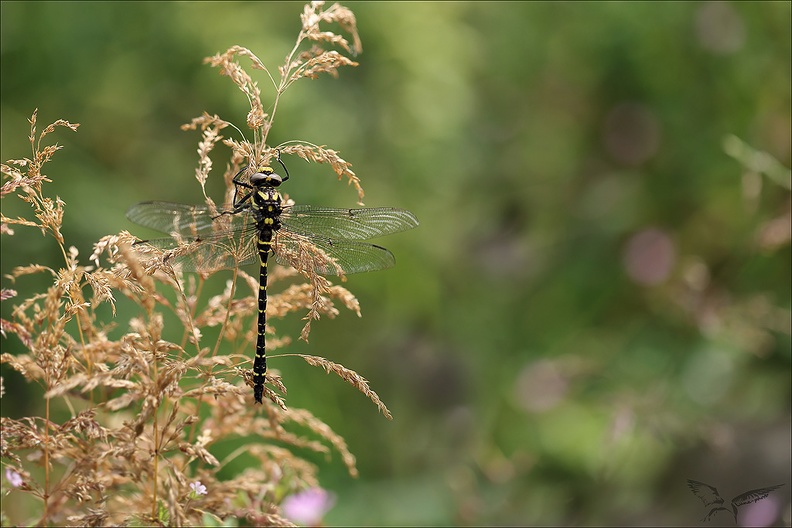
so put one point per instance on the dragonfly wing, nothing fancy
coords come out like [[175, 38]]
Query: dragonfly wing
[[212, 252], [354, 224], [329, 256], [189, 220]]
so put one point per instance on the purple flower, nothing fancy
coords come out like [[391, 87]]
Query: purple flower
[[308, 507], [13, 477], [197, 489]]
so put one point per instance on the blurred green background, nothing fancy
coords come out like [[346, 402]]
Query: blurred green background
[[596, 306]]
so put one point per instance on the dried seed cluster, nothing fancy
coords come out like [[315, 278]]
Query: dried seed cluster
[[147, 412]]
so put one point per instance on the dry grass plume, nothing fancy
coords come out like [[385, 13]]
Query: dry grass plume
[[145, 414]]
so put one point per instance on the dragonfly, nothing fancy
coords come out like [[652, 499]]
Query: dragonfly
[[323, 240]]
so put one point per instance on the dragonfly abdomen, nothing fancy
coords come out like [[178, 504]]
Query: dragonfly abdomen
[[260, 361], [267, 209]]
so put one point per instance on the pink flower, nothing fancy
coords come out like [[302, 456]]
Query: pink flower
[[198, 488], [308, 507], [13, 477]]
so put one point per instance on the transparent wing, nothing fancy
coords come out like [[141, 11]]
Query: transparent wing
[[221, 250], [319, 238], [353, 224], [329, 256], [190, 220]]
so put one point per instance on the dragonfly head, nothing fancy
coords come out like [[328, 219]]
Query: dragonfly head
[[266, 177]]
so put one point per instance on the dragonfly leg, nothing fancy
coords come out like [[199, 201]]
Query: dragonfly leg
[[277, 151], [239, 183]]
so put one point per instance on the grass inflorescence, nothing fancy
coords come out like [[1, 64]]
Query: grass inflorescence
[[146, 412]]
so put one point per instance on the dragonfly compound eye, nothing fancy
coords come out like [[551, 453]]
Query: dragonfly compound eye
[[266, 176]]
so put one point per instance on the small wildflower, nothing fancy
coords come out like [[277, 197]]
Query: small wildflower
[[308, 507], [13, 477], [197, 489]]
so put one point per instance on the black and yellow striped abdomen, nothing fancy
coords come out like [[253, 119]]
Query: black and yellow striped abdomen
[[267, 210]]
